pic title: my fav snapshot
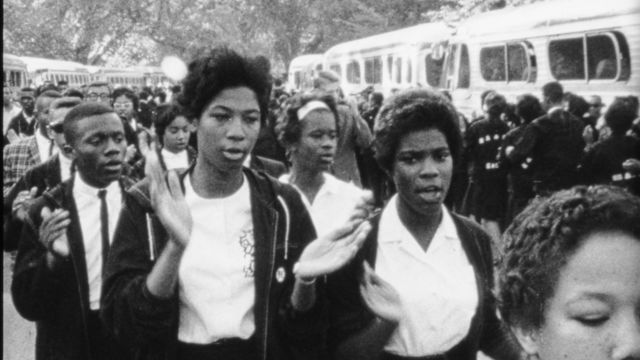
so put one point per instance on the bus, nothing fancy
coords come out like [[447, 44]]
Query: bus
[[589, 46], [302, 71], [118, 77], [44, 70], [391, 61], [14, 72]]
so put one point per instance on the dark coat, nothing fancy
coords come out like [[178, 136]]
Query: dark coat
[[44, 177], [20, 125], [349, 314], [150, 325], [57, 300], [270, 167]]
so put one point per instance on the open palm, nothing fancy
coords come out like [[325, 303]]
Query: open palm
[[332, 251]]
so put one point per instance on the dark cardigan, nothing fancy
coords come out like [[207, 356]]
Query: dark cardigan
[[349, 315], [150, 325]]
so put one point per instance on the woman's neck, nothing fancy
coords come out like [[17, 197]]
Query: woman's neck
[[211, 182], [422, 226], [308, 181]]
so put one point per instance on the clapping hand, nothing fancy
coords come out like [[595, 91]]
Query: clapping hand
[[53, 231], [21, 203], [380, 296], [167, 198]]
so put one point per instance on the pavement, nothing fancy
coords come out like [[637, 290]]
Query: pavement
[[18, 334]]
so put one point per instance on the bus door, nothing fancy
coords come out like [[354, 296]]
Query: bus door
[[456, 77]]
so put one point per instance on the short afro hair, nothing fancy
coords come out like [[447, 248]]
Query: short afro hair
[[414, 110], [528, 108], [620, 115], [222, 69], [290, 127], [545, 235], [82, 111]]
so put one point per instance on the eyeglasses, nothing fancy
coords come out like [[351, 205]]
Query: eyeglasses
[[122, 105], [95, 96], [57, 128]]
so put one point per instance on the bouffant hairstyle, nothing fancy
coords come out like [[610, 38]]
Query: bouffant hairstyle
[[542, 238], [414, 110], [576, 105], [620, 115], [165, 114], [224, 68], [129, 94], [553, 91], [528, 108], [290, 126]]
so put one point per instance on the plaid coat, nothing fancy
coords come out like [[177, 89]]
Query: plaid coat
[[17, 158]]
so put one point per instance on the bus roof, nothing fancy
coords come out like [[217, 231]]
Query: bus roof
[[12, 61], [34, 64], [545, 14], [305, 60], [423, 33]]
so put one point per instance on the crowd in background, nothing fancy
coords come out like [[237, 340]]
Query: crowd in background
[[317, 199]]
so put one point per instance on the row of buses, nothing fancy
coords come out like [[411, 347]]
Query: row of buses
[[22, 71], [590, 46]]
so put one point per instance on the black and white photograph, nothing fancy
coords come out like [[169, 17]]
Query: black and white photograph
[[321, 180]]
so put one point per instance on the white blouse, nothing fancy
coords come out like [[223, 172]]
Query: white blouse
[[437, 288], [333, 203], [216, 274]]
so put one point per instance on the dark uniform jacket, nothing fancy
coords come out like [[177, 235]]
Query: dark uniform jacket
[[349, 314], [555, 143], [603, 163], [57, 300], [269, 166], [282, 227]]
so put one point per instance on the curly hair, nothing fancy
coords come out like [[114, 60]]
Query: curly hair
[[224, 68], [290, 128], [413, 110], [542, 238], [129, 94]]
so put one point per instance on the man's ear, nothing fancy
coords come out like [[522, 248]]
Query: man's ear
[[528, 338]]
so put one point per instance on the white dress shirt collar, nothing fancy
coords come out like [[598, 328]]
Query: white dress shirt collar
[[65, 166], [44, 146]]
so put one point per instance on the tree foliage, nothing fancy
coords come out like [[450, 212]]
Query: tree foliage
[[129, 32]]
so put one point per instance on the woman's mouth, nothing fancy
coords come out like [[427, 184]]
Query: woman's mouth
[[233, 154]]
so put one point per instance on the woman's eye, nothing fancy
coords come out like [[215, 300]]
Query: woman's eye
[[592, 320], [221, 116], [251, 119]]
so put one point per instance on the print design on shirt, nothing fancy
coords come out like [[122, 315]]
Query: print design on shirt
[[248, 247]]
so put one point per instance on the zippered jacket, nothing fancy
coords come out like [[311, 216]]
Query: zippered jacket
[[149, 325]]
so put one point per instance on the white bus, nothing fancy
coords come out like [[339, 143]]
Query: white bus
[[118, 77], [589, 46], [398, 59], [14, 72], [302, 71], [48, 70]]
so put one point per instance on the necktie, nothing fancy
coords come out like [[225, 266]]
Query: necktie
[[51, 148], [104, 225]]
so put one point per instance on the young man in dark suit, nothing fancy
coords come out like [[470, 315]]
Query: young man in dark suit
[[58, 274]]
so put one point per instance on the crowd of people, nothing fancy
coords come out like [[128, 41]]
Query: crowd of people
[[233, 220]]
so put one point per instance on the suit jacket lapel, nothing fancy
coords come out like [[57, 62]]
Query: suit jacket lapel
[[52, 172]]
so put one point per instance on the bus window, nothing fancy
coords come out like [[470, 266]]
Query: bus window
[[517, 67], [409, 68], [373, 70], [398, 66], [625, 63], [433, 70], [296, 79], [336, 68], [492, 63], [566, 58], [601, 54], [389, 67], [353, 72], [463, 73]]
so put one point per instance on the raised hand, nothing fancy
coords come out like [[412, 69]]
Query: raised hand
[[167, 200], [53, 231], [20, 205], [332, 251], [380, 296], [364, 207]]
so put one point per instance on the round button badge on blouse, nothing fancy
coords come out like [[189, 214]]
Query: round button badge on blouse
[[280, 274]]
